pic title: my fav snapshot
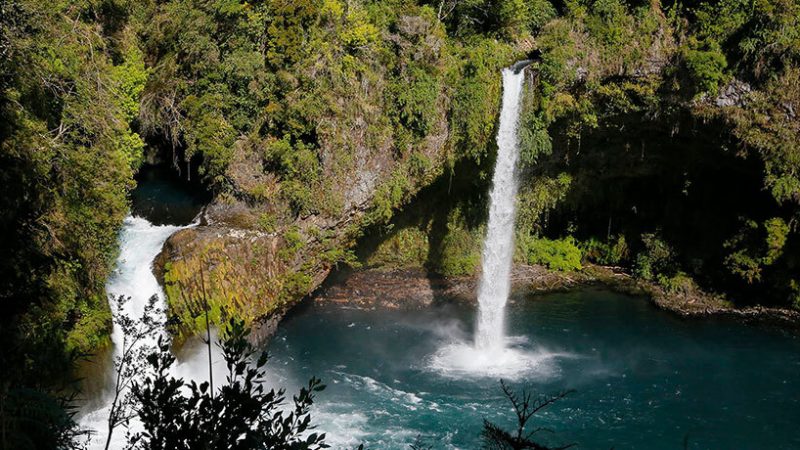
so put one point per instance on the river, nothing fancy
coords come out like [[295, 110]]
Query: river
[[643, 378]]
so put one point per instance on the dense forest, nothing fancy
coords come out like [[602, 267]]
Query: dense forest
[[659, 136]]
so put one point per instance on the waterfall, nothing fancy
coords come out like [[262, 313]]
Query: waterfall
[[498, 246], [140, 242], [490, 353]]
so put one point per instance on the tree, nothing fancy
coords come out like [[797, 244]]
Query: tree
[[242, 414], [525, 407], [129, 363]]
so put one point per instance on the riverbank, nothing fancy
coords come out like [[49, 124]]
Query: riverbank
[[416, 288]]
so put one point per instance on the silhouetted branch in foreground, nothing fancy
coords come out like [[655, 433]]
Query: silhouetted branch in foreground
[[241, 415], [525, 407]]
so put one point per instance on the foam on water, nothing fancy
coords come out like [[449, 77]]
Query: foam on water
[[464, 360], [346, 427]]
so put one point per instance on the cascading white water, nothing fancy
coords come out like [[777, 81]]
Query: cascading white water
[[491, 353], [498, 246], [140, 242]]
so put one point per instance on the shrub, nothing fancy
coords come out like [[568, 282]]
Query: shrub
[[656, 259], [678, 283], [177, 414], [794, 297], [556, 254], [460, 253], [706, 65], [608, 253], [755, 247], [267, 222], [408, 247]]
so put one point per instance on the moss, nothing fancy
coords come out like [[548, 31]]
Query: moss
[[231, 277], [295, 284], [460, 253], [294, 242], [405, 248], [389, 196], [267, 222], [92, 332]]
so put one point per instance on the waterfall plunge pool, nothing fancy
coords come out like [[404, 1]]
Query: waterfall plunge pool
[[643, 378]]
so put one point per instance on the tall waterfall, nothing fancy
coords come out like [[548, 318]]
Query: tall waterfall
[[490, 353], [498, 247]]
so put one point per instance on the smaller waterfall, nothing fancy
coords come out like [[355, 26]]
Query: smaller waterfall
[[498, 247], [140, 242]]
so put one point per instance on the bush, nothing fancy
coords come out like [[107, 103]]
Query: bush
[[678, 283], [706, 65], [557, 254], [657, 259], [177, 414], [609, 253], [756, 246], [408, 247], [794, 297]]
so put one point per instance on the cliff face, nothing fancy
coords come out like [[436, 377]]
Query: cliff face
[[669, 150], [354, 131], [250, 268], [351, 127]]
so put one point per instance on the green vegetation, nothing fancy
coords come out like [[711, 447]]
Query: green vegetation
[[611, 253], [407, 247], [453, 250], [315, 122], [656, 261], [616, 89], [556, 254], [240, 415], [748, 256], [71, 76]]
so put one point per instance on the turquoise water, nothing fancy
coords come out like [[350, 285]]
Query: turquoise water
[[644, 379]]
